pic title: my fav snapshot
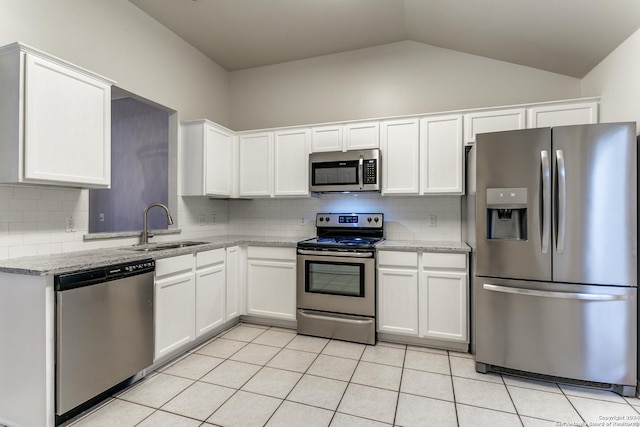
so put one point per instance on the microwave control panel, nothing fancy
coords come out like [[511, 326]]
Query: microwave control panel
[[370, 175]]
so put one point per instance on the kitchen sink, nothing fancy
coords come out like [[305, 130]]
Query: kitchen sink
[[152, 247]]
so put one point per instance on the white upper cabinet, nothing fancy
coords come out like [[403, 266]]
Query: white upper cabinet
[[362, 136], [400, 145], [208, 160], [291, 151], [350, 136], [256, 165], [441, 155], [274, 163], [493, 121], [55, 121], [563, 115], [327, 138]]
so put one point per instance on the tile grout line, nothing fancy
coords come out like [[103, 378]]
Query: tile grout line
[[515, 408]]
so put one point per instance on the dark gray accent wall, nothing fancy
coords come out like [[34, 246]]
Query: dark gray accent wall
[[139, 169]]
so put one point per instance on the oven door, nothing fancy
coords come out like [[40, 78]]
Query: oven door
[[338, 282]]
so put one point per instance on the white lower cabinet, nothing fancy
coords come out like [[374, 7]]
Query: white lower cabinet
[[194, 295], [210, 290], [174, 304], [398, 292], [271, 282], [424, 295], [234, 280]]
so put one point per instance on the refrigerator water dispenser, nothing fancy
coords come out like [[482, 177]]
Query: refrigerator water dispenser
[[507, 213]]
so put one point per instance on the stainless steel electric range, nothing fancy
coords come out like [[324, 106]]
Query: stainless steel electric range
[[336, 285]]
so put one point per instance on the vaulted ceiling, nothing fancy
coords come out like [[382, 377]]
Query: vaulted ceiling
[[569, 37]]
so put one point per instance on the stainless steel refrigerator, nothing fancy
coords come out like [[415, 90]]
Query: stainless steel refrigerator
[[557, 254]]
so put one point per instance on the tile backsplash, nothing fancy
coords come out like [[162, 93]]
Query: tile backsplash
[[33, 219], [406, 218]]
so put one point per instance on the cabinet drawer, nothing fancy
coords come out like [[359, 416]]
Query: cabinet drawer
[[212, 257], [269, 252], [174, 265], [398, 259], [444, 261]]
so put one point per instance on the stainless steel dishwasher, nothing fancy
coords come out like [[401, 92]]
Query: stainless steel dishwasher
[[104, 332]]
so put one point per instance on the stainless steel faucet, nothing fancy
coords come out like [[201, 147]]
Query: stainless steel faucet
[[145, 233]]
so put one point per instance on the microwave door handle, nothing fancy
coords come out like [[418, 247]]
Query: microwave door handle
[[361, 171]]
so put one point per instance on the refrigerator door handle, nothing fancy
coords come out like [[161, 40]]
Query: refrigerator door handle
[[562, 201], [546, 201], [551, 294]]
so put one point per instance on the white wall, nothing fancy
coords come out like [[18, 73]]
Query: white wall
[[617, 80], [395, 79], [116, 39]]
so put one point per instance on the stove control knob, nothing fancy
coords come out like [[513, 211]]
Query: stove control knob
[[369, 219], [327, 219], [321, 219], [376, 219]]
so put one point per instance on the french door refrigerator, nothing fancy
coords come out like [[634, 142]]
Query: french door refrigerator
[[557, 255]]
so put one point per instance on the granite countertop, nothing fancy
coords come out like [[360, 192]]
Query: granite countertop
[[424, 245], [82, 260]]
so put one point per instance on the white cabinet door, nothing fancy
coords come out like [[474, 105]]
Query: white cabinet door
[[174, 313], [271, 290], [211, 286], [256, 164], [57, 129], [327, 138], [441, 155], [398, 301], [233, 264], [271, 282], [219, 162], [174, 304], [362, 136], [210, 298], [209, 163], [493, 121], [400, 145], [563, 115], [443, 301], [291, 162]]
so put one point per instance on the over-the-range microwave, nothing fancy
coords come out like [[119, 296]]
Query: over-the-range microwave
[[350, 171]]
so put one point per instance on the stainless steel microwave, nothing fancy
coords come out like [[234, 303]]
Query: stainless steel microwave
[[350, 171]]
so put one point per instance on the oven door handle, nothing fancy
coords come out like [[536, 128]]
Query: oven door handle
[[335, 318], [339, 254]]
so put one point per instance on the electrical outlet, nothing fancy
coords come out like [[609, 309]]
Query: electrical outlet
[[69, 224], [432, 220], [213, 218], [101, 217], [303, 221], [202, 220]]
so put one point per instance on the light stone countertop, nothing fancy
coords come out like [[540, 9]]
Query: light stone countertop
[[42, 265], [424, 245]]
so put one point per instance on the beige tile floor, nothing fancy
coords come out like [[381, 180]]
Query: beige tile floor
[[252, 375]]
